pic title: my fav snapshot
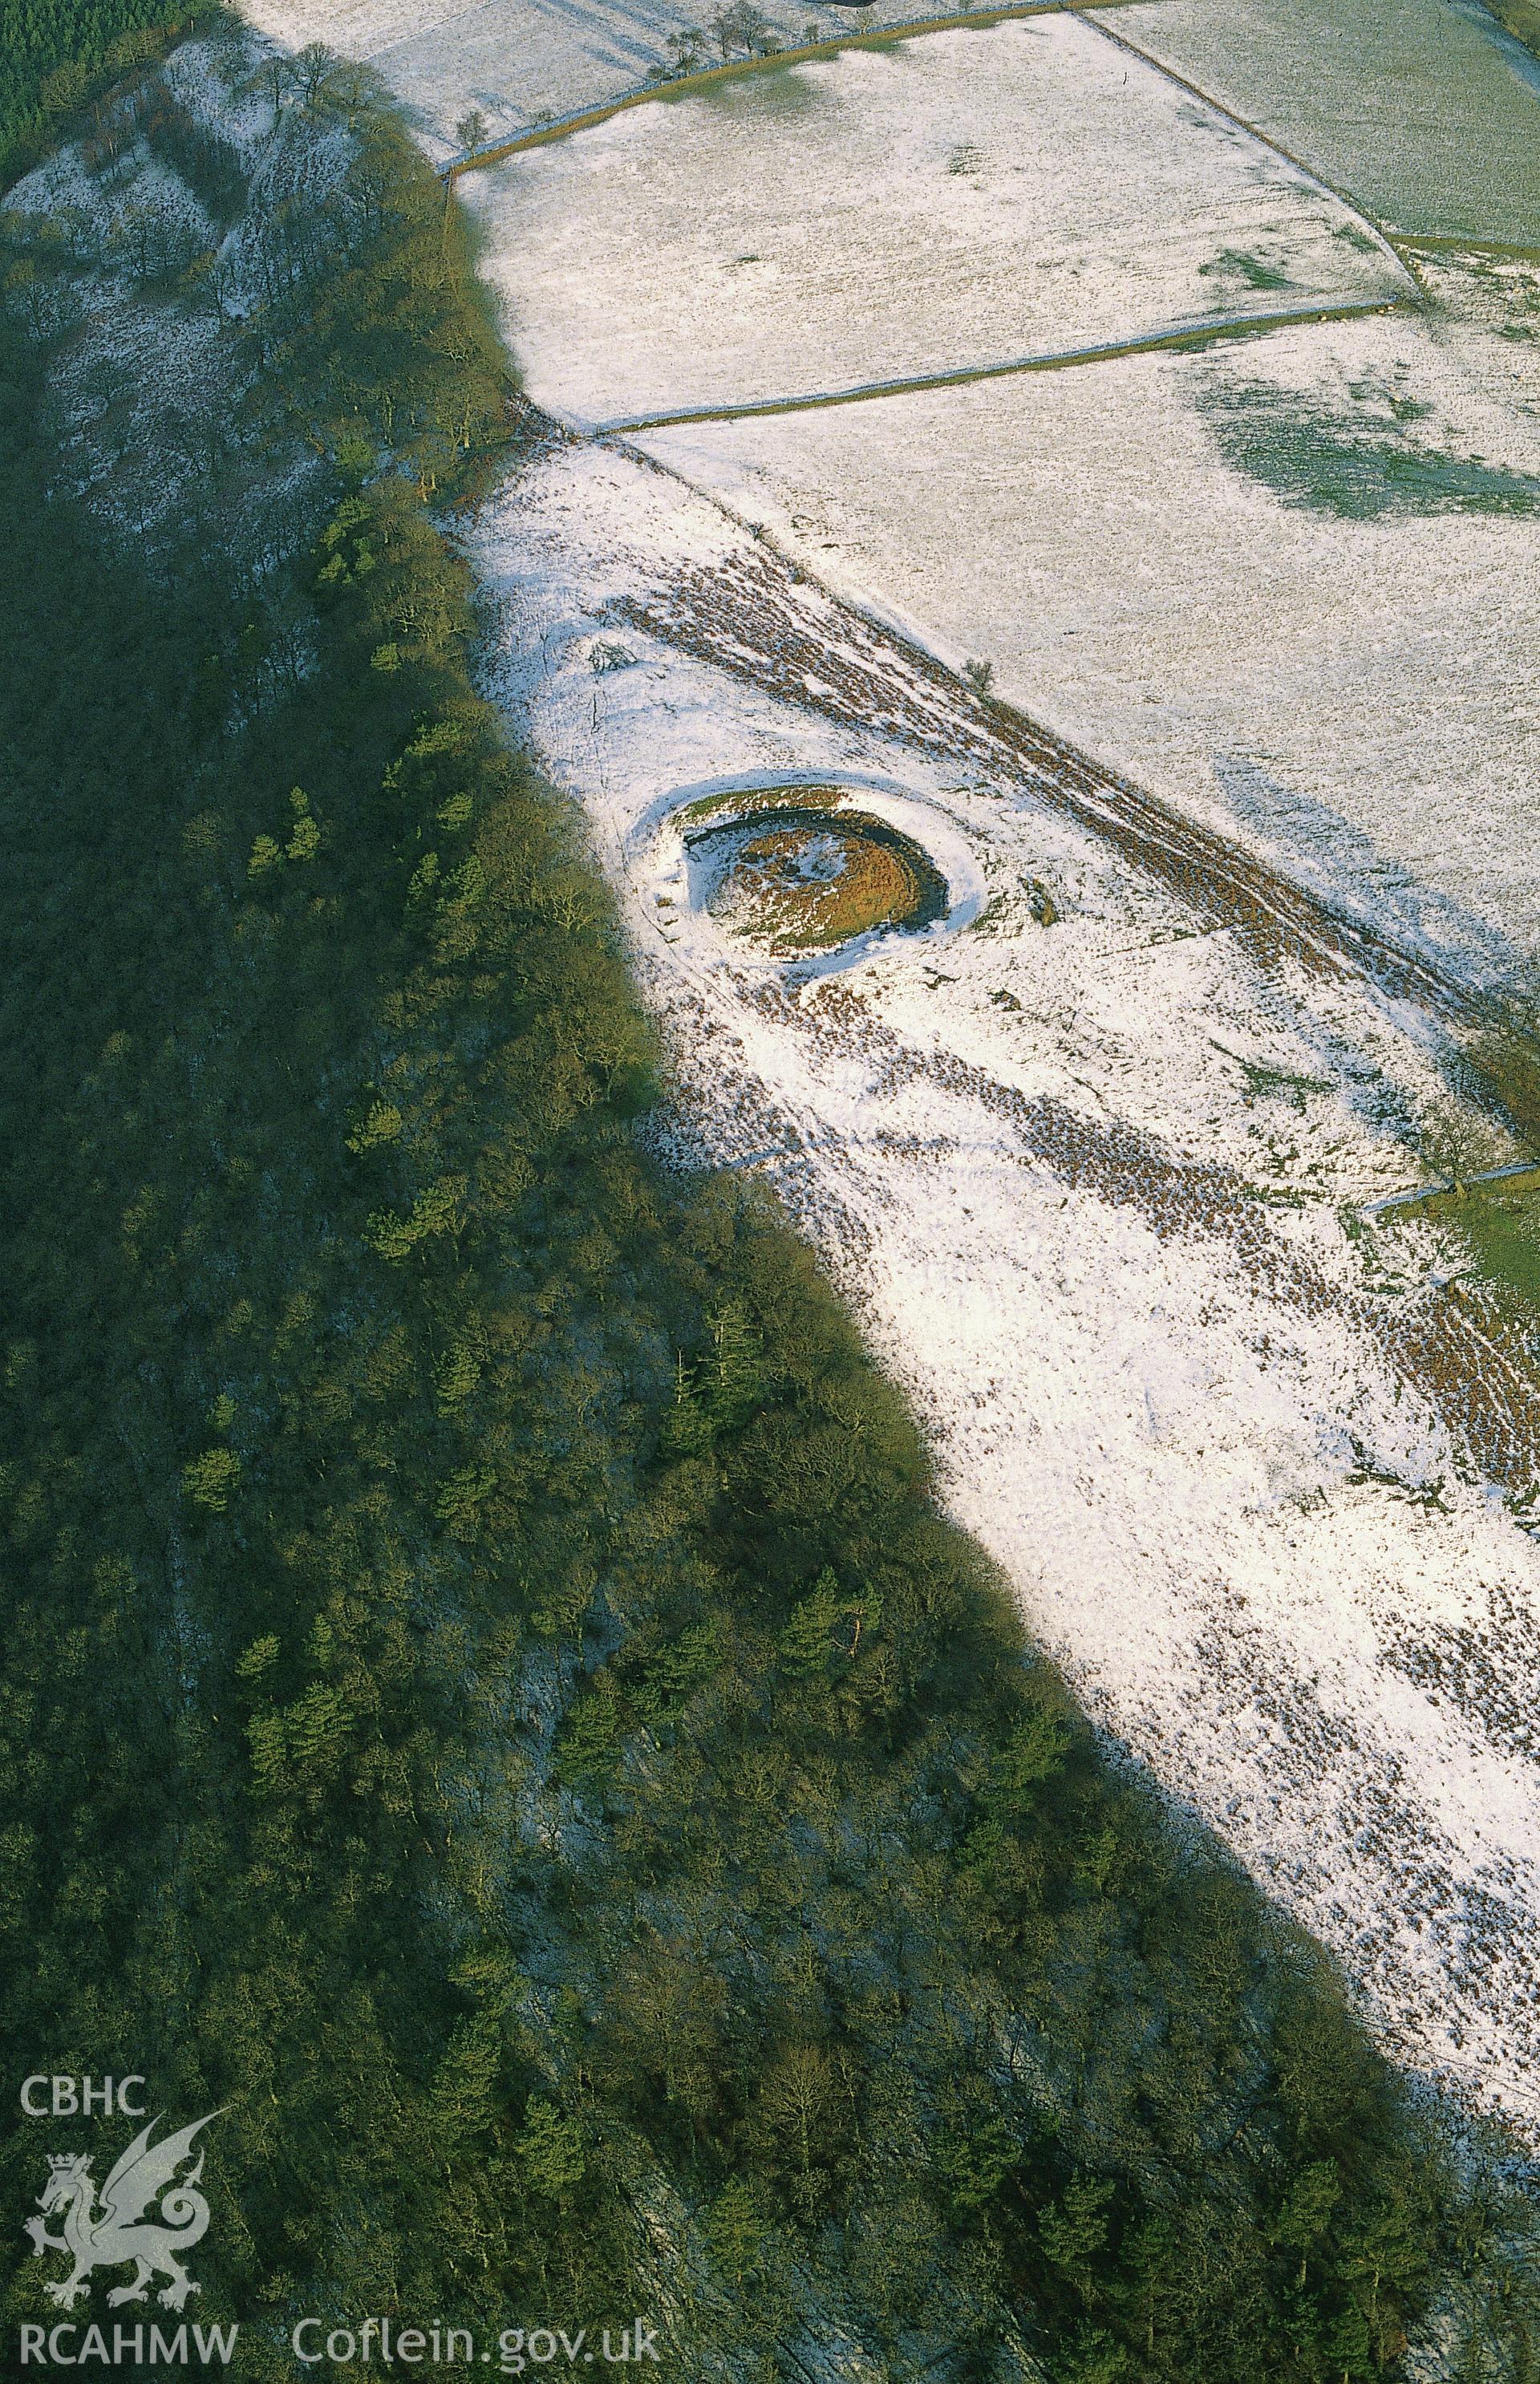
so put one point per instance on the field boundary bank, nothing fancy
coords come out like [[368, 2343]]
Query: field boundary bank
[[1174, 340], [880, 37], [1398, 241], [1119, 811], [1452, 1191], [1450, 244]]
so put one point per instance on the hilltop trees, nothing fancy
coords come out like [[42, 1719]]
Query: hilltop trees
[[687, 53], [740, 26], [57, 53]]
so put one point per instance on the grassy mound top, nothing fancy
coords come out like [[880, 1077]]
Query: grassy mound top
[[799, 880]]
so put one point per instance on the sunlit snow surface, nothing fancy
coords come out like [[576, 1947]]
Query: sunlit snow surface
[[1085, 1186], [967, 199], [1256, 1471], [1274, 580]]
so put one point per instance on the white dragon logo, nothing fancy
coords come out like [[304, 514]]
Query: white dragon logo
[[116, 2233]]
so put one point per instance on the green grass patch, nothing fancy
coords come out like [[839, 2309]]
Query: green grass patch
[[759, 799], [1519, 18], [1503, 1229], [1238, 266], [1501, 1222], [1362, 465]]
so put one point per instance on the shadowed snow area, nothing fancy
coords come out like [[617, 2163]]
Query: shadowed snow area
[[1078, 1060], [1085, 1186], [1424, 111], [522, 62], [152, 395], [961, 199], [1295, 577]]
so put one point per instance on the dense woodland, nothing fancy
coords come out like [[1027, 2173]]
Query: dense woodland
[[56, 56], [488, 1699]]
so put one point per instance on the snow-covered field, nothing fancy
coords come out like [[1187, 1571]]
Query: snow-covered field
[[962, 199], [1293, 583], [1087, 1153], [523, 62], [1085, 1186], [1423, 110]]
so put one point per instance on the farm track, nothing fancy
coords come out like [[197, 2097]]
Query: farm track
[[1448, 1346], [753, 618]]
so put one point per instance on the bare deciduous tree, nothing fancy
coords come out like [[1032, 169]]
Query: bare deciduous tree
[[740, 26], [314, 68]]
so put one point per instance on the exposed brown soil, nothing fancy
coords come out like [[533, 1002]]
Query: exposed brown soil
[[797, 879], [759, 618], [1453, 1346]]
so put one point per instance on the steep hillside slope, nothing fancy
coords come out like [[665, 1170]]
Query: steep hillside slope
[[492, 1702], [1087, 1153]]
